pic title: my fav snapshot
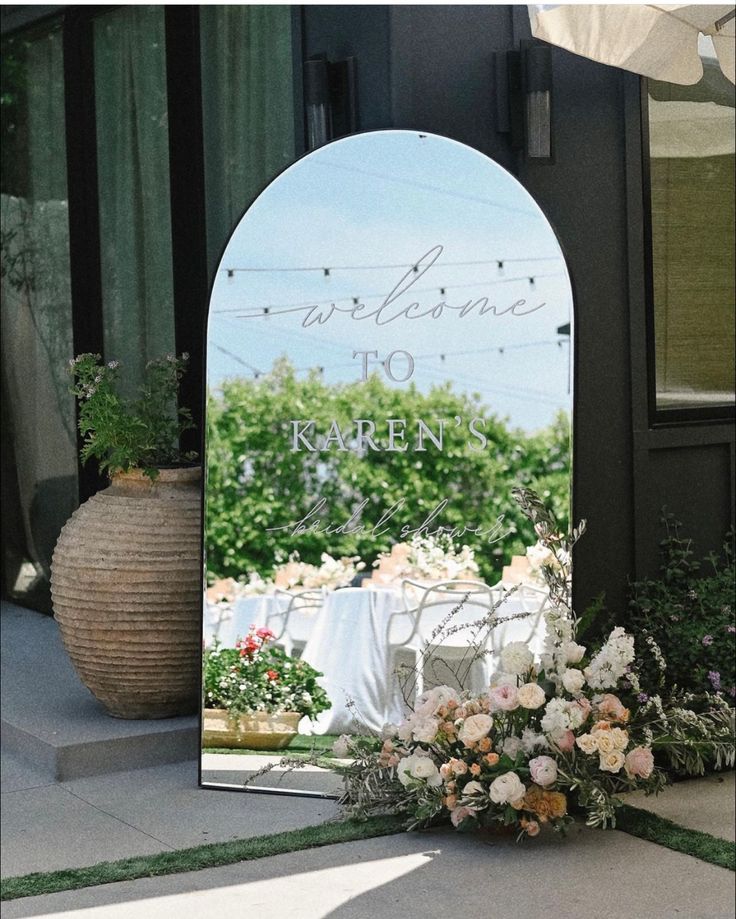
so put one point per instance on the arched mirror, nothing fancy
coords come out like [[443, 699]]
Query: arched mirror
[[388, 354]]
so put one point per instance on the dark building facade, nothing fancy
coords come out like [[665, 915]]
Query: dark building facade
[[134, 137]]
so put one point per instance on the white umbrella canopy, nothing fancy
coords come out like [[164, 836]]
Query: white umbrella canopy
[[656, 40]]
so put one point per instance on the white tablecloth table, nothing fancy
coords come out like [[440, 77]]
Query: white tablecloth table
[[349, 644], [230, 624]]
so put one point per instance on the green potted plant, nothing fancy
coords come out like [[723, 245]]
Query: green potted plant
[[125, 577], [255, 694]]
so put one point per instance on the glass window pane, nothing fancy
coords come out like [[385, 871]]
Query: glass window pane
[[133, 166], [692, 180], [39, 448], [248, 103]]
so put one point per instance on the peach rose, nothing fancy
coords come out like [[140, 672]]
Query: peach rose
[[475, 769], [611, 708], [587, 743], [491, 758], [484, 745], [531, 827], [639, 763], [451, 802], [585, 705]]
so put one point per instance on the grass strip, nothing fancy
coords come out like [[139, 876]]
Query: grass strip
[[212, 855], [646, 825], [302, 744]]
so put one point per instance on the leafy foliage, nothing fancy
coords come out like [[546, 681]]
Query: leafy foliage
[[257, 677], [689, 613], [122, 434], [255, 481]]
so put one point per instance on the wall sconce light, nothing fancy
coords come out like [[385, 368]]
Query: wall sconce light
[[330, 99], [524, 99]]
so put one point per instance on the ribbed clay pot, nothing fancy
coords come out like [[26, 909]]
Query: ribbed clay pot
[[125, 583]]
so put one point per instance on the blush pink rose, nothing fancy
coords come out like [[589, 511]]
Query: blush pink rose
[[504, 698], [639, 763], [564, 741], [543, 770], [458, 814]]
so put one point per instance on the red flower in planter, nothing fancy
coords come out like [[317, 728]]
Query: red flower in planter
[[272, 675]]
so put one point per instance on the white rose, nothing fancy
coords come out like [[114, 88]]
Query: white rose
[[475, 728], [507, 788], [587, 743], [516, 657], [473, 788], [511, 746], [425, 729], [425, 768], [418, 767], [574, 652], [611, 762], [432, 699], [530, 695], [620, 738], [573, 680], [606, 743]]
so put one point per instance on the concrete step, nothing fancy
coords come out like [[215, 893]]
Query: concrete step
[[54, 723]]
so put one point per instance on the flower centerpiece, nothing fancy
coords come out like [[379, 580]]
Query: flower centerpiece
[[125, 577], [429, 558], [567, 732], [331, 574], [255, 694]]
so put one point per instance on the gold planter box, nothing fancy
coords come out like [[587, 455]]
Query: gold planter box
[[255, 731]]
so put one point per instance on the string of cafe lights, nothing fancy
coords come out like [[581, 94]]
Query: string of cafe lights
[[439, 355], [275, 309], [327, 271]]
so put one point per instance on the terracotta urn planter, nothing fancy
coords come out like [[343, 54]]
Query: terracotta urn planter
[[125, 583], [254, 731]]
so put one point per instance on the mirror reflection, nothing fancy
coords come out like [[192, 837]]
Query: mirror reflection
[[389, 353]]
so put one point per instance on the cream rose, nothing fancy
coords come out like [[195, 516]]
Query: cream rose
[[611, 762], [474, 728], [543, 770], [605, 741], [573, 680], [507, 788], [530, 695], [473, 788], [620, 738], [587, 743]]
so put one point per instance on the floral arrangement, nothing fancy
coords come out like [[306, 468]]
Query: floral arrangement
[[331, 574], [255, 676], [431, 558], [123, 434], [569, 731], [541, 556]]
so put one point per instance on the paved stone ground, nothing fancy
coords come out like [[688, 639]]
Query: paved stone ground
[[590, 875], [707, 804], [47, 826]]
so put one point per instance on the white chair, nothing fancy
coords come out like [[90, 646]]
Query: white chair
[[292, 618], [441, 625]]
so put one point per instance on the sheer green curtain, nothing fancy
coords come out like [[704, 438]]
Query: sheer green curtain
[[133, 169], [248, 103], [39, 460], [692, 143]]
